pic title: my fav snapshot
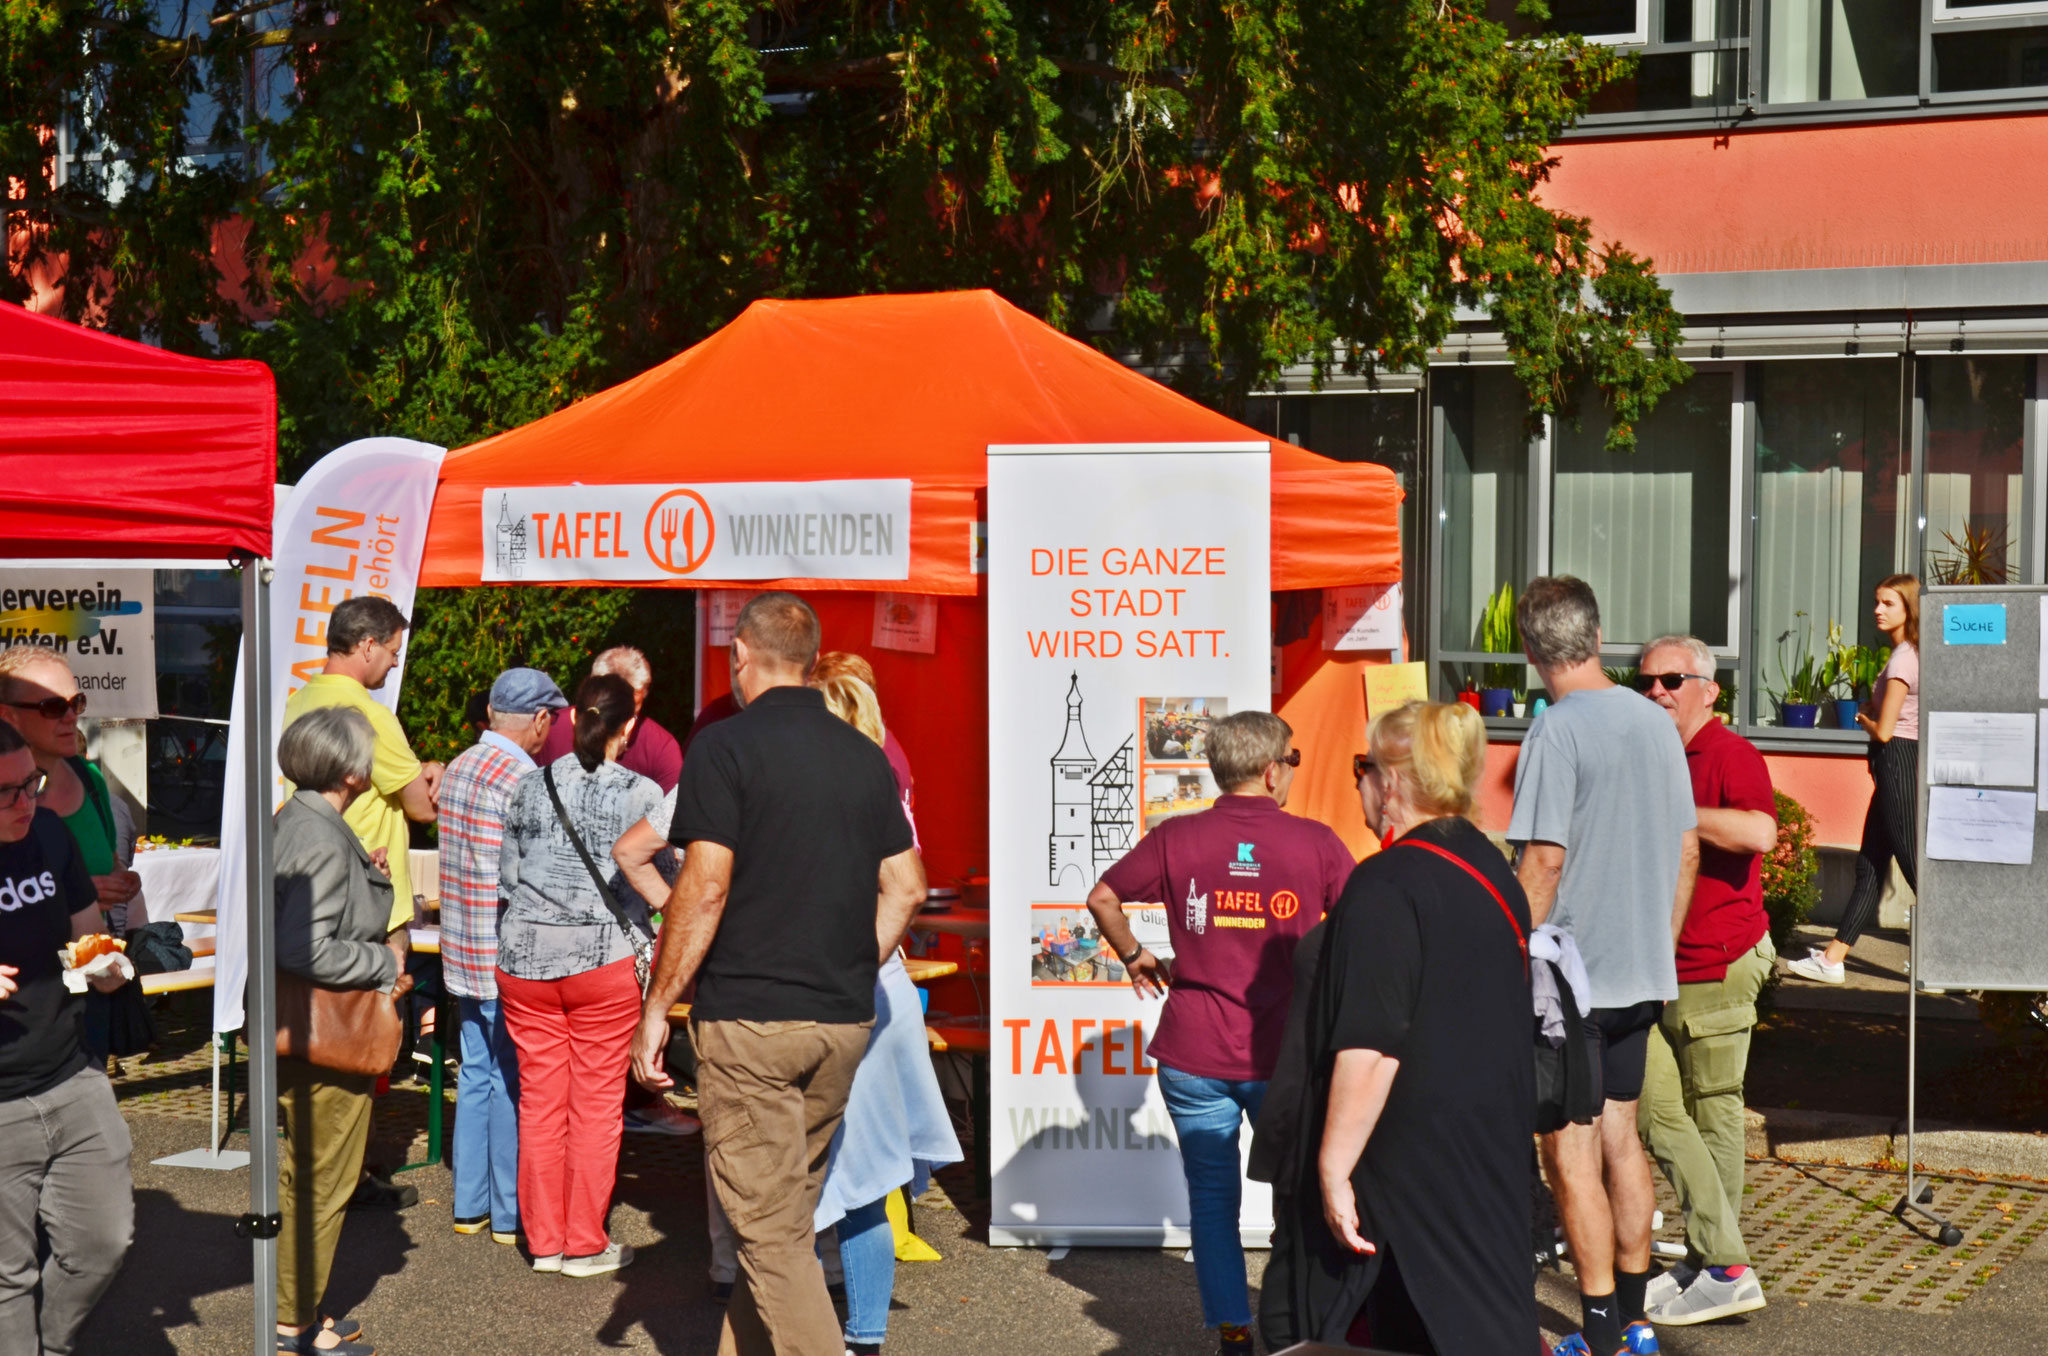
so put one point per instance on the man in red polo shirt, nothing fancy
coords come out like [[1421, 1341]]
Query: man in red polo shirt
[[1690, 1113], [1241, 882]]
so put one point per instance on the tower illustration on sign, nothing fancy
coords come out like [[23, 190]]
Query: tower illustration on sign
[[1093, 815], [511, 543]]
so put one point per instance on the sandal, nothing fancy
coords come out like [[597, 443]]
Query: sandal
[[301, 1344], [342, 1326]]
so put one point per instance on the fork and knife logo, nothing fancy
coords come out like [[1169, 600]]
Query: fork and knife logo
[[680, 517]]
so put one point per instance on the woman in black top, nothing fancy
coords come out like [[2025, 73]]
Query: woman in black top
[[1399, 1141]]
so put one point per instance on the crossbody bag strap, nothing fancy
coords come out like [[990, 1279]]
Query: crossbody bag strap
[[1521, 939], [604, 889]]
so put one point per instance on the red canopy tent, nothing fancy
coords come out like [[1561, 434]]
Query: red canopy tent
[[914, 387], [108, 449]]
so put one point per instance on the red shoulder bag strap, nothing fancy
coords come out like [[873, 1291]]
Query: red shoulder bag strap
[[1521, 941]]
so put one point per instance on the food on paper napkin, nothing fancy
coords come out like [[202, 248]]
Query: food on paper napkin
[[94, 955]]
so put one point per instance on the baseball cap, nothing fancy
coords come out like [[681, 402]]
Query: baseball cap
[[521, 692]]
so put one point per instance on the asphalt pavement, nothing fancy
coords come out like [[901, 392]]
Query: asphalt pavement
[[420, 1288]]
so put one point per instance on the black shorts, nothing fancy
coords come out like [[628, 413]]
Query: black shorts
[[1620, 1041]]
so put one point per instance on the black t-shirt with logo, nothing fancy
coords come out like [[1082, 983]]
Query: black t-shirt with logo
[[43, 881], [809, 808]]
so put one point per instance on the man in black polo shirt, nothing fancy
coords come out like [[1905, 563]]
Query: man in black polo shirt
[[63, 1146], [799, 875]]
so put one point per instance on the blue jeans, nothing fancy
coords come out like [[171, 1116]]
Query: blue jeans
[[1206, 1113], [487, 1119], [867, 1255]]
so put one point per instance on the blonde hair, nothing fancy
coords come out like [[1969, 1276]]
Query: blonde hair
[[854, 702], [842, 663], [1442, 748], [18, 659]]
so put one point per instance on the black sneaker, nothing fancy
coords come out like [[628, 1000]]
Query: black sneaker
[[721, 1292], [381, 1193], [1236, 1340]]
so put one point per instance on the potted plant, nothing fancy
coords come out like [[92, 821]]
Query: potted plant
[[1804, 687], [1838, 673], [1498, 634]]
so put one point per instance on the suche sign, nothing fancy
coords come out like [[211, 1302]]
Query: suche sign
[[805, 529]]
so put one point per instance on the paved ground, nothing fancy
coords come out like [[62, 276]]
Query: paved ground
[[1842, 1274]]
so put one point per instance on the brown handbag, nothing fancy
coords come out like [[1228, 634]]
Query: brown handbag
[[351, 1031]]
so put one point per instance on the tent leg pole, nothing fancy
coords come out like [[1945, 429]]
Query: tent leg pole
[[261, 1001]]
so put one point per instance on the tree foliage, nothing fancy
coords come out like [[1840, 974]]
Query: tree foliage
[[466, 213]]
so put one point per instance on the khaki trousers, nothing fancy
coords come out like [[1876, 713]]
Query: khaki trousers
[[770, 1095], [1690, 1114], [326, 1125]]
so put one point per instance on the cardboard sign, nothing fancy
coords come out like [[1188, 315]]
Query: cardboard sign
[[1390, 685]]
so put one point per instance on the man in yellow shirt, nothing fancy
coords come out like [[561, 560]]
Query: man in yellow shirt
[[363, 639]]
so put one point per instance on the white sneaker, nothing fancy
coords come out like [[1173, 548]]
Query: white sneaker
[[1814, 966], [1706, 1299], [618, 1255], [550, 1263], [662, 1119], [1666, 1284]]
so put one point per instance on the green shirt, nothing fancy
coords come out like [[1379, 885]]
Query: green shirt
[[92, 823]]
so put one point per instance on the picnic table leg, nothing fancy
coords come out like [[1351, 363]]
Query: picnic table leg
[[437, 1078], [982, 1118]]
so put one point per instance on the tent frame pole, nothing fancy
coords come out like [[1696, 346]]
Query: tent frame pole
[[261, 1224]]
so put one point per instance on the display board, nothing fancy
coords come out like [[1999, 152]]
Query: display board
[[1983, 886], [1128, 606], [102, 621]]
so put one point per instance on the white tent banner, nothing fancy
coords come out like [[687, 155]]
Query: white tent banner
[[357, 524], [785, 529], [102, 621], [1128, 599]]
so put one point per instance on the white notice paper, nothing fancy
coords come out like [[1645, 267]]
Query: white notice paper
[[1968, 824], [2041, 751], [1980, 748], [2044, 647]]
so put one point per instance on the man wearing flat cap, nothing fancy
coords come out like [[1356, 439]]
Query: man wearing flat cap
[[474, 795]]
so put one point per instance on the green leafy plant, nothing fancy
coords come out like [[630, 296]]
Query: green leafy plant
[[1802, 675], [1791, 873], [1499, 634], [1979, 558], [1865, 663]]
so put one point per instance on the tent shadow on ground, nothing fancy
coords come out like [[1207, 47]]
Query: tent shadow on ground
[[156, 1287]]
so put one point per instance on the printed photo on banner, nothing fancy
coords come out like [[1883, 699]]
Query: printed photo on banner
[[1066, 948], [1176, 729], [1173, 791]]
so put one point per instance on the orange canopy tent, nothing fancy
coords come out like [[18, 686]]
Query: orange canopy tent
[[918, 387]]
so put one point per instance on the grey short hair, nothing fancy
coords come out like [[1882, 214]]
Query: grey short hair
[[627, 662], [1692, 645], [322, 749], [513, 720], [1560, 621], [1243, 743]]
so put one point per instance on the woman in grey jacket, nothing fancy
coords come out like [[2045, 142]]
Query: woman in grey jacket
[[333, 906]]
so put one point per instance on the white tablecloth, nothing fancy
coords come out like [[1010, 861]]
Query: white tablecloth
[[176, 880]]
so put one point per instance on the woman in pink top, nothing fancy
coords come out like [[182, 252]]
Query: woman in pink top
[[1890, 829]]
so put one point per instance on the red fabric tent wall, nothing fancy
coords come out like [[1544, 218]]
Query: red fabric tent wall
[[113, 448]]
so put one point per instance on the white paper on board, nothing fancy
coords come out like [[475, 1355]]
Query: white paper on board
[[2041, 772], [1980, 748], [2044, 647], [1971, 824]]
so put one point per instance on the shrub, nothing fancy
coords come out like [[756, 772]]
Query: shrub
[[463, 638], [1791, 873]]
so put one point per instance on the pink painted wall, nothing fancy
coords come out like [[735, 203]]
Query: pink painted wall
[[1834, 788], [1929, 191]]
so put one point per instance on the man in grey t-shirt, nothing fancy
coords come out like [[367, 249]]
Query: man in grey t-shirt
[[1607, 851]]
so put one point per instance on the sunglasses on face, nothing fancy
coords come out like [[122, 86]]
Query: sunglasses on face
[[1293, 758], [11, 796], [55, 708], [1361, 763], [1670, 682]]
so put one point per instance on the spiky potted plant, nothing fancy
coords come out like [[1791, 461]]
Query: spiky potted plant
[[1498, 634], [1804, 688], [1838, 676]]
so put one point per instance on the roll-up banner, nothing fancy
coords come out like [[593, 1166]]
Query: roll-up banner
[[1128, 604]]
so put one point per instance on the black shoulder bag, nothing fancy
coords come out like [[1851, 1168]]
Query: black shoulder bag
[[642, 944]]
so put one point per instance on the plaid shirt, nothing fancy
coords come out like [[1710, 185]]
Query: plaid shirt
[[475, 792]]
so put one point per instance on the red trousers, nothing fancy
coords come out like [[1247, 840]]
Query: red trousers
[[575, 1037]]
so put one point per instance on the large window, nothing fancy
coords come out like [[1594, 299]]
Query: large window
[[1761, 506], [1716, 60]]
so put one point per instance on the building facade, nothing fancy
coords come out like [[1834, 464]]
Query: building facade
[[1843, 202]]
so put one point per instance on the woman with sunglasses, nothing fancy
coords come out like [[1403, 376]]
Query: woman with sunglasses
[[1398, 1130], [39, 697], [1891, 826]]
